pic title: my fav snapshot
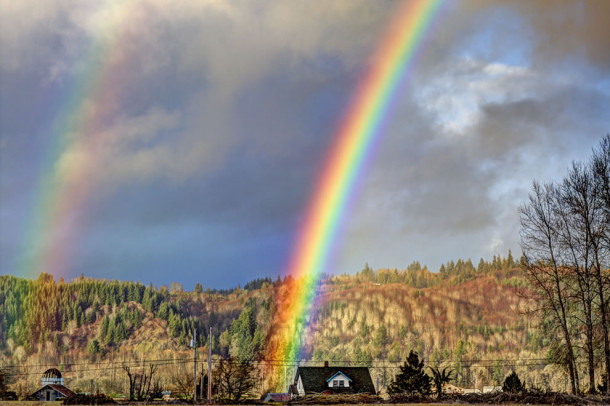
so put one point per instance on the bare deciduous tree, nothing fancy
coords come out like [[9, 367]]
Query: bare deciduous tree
[[182, 380], [564, 236], [235, 379], [541, 248], [600, 165], [139, 383]]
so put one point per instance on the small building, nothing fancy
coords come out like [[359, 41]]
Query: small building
[[52, 387], [311, 380], [278, 397]]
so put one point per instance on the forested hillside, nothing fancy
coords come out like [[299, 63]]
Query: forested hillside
[[469, 318]]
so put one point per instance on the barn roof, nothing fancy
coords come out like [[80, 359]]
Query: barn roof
[[51, 373], [59, 388], [314, 379], [278, 397]]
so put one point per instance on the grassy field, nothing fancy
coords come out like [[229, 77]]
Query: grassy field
[[30, 403], [39, 403]]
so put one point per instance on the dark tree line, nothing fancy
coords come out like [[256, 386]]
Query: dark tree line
[[565, 237]]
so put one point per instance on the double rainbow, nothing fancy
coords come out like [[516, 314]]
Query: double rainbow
[[357, 132]]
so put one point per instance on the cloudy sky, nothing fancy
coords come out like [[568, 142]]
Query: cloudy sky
[[181, 140]]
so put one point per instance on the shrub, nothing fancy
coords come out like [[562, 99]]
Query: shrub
[[513, 384]]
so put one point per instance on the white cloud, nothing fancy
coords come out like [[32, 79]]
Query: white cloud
[[456, 98]]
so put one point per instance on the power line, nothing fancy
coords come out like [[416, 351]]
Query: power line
[[118, 365], [69, 364], [382, 364], [108, 368]]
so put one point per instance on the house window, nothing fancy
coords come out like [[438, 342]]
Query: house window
[[341, 384], [337, 383]]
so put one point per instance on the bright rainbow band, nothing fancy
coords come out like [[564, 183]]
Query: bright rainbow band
[[357, 133]]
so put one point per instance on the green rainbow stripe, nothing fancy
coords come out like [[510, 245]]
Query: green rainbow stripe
[[360, 127]]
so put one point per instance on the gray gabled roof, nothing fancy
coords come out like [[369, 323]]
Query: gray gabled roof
[[314, 379], [58, 388]]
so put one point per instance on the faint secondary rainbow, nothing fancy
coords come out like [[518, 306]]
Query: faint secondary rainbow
[[353, 140], [70, 162]]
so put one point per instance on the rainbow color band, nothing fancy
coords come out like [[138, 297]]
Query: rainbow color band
[[357, 132]]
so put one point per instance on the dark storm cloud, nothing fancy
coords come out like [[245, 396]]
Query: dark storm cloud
[[226, 110], [240, 215], [565, 28]]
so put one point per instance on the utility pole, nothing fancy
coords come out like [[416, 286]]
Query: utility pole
[[210, 365], [194, 345], [201, 380]]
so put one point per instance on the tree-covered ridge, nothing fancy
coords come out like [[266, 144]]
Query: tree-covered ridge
[[38, 311], [462, 314], [478, 319], [33, 310]]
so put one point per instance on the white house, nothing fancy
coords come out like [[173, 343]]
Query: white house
[[326, 379], [338, 380]]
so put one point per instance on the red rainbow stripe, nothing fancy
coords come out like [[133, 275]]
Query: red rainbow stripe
[[357, 132]]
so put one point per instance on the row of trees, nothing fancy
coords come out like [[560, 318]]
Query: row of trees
[[420, 277], [565, 235], [413, 379]]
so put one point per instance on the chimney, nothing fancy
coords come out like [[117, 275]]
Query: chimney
[[326, 364]]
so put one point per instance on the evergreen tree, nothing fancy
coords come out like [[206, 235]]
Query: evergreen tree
[[513, 384], [402, 332], [363, 357], [110, 334], [412, 379], [120, 332], [481, 268], [244, 344], [368, 275], [381, 337], [443, 271], [414, 266], [94, 347], [163, 312], [103, 332]]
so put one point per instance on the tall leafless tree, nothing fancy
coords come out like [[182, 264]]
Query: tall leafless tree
[[139, 383], [565, 240], [182, 380], [540, 242], [235, 379], [579, 214], [600, 167]]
